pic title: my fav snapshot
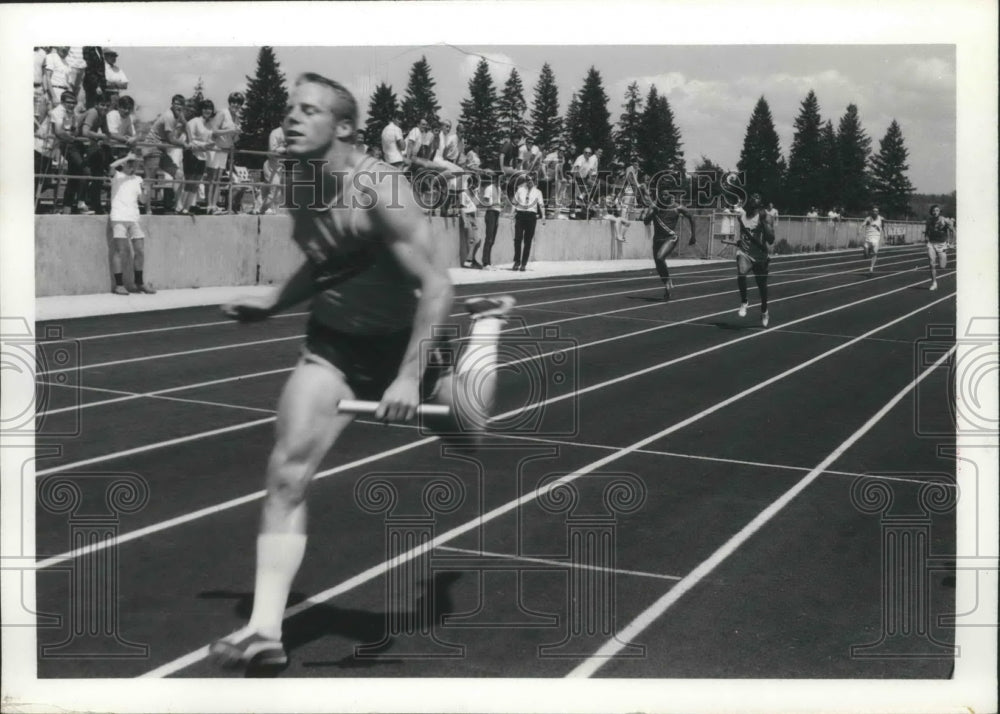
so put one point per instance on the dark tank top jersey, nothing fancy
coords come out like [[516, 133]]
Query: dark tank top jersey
[[751, 241], [937, 229], [665, 221], [366, 291]]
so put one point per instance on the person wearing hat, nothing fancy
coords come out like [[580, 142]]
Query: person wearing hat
[[115, 80], [128, 191]]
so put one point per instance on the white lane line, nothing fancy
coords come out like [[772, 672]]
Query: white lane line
[[654, 611], [686, 271], [716, 459], [158, 445], [428, 547], [166, 355], [156, 393], [726, 278], [552, 400], [153, 330], [202, 350], [587, 316], [701, 352], [561, 565], [217, 508]]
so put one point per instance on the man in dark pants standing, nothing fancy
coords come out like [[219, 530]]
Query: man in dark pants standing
[[493, 202], [528, 207], [665, 214]]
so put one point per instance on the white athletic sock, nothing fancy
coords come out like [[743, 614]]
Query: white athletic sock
[[476, 371], [279, 556]]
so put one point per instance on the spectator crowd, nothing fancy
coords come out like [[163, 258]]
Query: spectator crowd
[[85, 122]]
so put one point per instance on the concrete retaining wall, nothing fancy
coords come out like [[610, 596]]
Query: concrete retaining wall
[[72, 253]]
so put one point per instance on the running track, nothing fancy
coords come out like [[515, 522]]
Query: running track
[[740, 555]]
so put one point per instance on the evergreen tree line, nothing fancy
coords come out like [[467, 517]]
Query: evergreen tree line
[[827, 167]]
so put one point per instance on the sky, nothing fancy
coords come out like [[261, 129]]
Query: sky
[[712, 89]]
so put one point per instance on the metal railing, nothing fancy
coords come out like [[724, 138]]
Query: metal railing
[[232, 182]]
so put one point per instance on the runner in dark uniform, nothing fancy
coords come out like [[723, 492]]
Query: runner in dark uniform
[[664, 215], [377, 296], [753, 252], [936, 230]]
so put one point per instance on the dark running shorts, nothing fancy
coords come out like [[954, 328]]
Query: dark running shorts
[[370, 363]]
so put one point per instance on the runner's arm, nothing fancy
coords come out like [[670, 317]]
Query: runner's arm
[[407, 235]]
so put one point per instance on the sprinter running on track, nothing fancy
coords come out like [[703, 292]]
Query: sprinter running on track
[[936, 230], [665, 214], [377, 294], [753, 252]]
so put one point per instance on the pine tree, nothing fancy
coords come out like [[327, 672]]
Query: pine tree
[[659, 143], [627, 136], [512, 106], [420, 101], [830, 179], [264, 109], [804, 180], [760, 160], [571, 126], [199, 91], [591, 123], [706, 181], [381, 110], [854, 149], [546, 124], [479, 117], [647, 140], [890, 186]]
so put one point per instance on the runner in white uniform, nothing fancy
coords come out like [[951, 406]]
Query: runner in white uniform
[[873, 228]]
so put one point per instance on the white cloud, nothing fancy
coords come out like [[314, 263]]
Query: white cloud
[[931, 74], [500, 66]]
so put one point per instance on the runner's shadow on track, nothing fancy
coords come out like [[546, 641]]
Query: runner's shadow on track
[[369, 628], [736, 326], [646, 299]]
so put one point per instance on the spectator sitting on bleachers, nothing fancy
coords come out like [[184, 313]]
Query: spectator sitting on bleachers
[[225, 131], [531, 158], [63, 122], [121, 126], [94, 128], [393, 145], [414, 139]]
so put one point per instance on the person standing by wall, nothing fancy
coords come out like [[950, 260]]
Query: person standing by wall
[[127, 193], [529, 206], [493, 201]]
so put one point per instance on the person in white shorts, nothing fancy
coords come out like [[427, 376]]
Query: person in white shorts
[[225, 131], [271, 195], [873, 229], [127, 192]]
